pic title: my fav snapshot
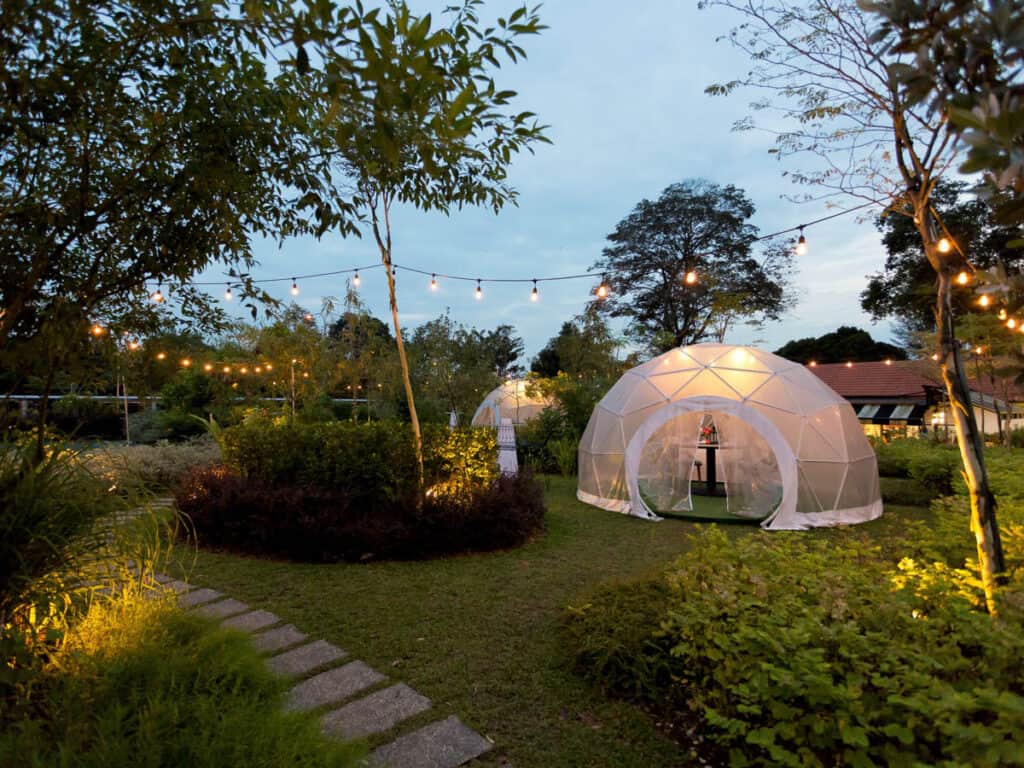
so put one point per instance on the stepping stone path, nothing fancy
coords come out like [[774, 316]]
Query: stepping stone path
[[363, 701]]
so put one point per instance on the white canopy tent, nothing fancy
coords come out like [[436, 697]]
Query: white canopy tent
[[509, 401], [791, 450]]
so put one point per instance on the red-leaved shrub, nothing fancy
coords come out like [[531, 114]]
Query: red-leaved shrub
[[313, 524]]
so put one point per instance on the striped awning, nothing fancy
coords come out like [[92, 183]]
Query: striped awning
[[886, 414]]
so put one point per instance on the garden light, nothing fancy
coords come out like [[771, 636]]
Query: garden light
[[433, 282], [691, 278], [227, 293], [133, 345], [479, 291], [801, 244], [185, 363], [295, 287], [97, 330], [534, 295], [849, 364], [227, 369], [208, 367], [161, 355], [888, 361], [944, 245], [355, 279], [602, 291], [984, 301], [1011, 323], [963, 278], [1002, 314], [813, 364], [156, 296]]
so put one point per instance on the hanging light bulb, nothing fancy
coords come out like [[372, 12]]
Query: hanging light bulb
[[226, 369], [207, 367], [963, 278], [1011, 323], [935, 356], [295, 287], [133, 345], [944, 245], [355, 279], [813, 364], [185, 363], [801, 244], [227, 293], [269, 367], [433, 282], [984, 301], [161, 355], [1002, 314], [888, 361], [479, 290], [97, 330], [602, 291], [849, 364], [534, 294], [691, 278], [156, 296], [308, 317], [243, 370], [978, 350]]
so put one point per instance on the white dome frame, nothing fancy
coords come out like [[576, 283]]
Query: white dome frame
[[509, 401], [651, 395]]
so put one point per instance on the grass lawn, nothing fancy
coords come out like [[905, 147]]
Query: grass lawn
[[479, 634]]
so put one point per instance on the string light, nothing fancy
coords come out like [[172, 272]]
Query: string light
[[208, 367], [97, 330], [156, 296], [1002, 314], [355, 279], [888, 361], [227, 293], [479, 291], [534, 294], [185, 363], [308, 317], [133, 345], [935, 356], [602, 291], [691, 278], [944, 245], [813, 364], [963, 278], [801, 243], [243, 370], [295, 287], [269, 367], [226, 369], [257, 369], [978, 350], [161, 355], [984, 301], [1011, 323], [433, 281], [849, 364]]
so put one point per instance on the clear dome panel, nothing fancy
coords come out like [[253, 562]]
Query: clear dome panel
[[666, 464], [753, 483]]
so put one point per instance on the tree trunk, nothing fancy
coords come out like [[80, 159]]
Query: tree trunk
[[983, 503], [384, 243]]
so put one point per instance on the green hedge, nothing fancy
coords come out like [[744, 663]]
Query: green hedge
[[792, 651]]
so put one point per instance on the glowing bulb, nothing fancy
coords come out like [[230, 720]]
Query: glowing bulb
[[1002, 314], [813, 363], [227, 293], [269, 367], [691, 278], [888, 361], [156, 297], [355, 279], [849, 364], [433, 282], [243, 369], [935, 356], [161, 355], [305, 375], [984, 301], [295, 288], [944, 245], [208, 367], [1011, 323], [226, 369], [534, 294], [602, 291], [978, 350], [801, 244], [479, 291], [96, 330], [308, 317], [133, 345], [185, 363], [257, 369], [963, 278]]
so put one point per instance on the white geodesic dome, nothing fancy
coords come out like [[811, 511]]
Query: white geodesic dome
[[790, 448], [509, 401]]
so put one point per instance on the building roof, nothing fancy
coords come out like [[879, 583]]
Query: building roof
[[899, 380]]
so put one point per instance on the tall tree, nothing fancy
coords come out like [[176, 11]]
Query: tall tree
[[678, 264], [845, 344], [905, 288], [834, 74], [425, 124], [584, 348]]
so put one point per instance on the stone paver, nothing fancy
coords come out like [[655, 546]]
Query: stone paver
[[222, 609], [177, 587], [161, 578], [444, 744], [277, 639], [332, 686], [305, 658], [198, 597], [380, 711], [252, 621]]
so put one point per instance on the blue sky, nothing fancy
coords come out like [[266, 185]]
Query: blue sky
[[622, 88]]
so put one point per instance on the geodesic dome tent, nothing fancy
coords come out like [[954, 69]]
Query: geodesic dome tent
[[791, 450], [509, 401]]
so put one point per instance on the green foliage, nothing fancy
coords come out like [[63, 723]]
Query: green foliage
[[535, 438], [565, 451], [140, 683], [766, 632], [369, 462], [844, 344], [694, 226], [158, 468], [584, 347]]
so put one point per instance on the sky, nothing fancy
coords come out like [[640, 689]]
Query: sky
[[621, 86]]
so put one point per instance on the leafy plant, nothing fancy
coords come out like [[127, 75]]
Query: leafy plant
[[565, 451]]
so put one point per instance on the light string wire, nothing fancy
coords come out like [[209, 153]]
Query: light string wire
[[432, 274]]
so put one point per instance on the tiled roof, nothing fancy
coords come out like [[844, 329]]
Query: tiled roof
[[898, 379], [1001, 389]]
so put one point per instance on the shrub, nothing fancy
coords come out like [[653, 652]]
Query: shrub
[[86, 417], [535, 438], [311, 523], [906, 491], [142, 684], [158, 467], [565, 452], [792, 651], [935, 469]]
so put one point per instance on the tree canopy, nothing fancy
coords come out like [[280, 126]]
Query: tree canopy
[[845, 344], [584, 347], [682, 268]]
